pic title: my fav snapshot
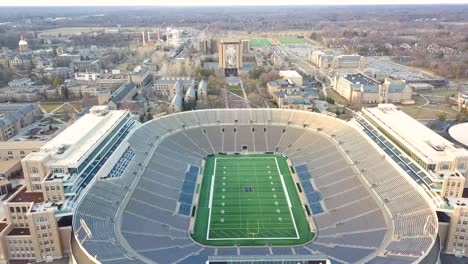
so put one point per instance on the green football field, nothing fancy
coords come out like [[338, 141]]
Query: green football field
[[249, 200], [292, 41], [262, 42]]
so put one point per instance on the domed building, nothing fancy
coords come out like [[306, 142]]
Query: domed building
[[23, 45]]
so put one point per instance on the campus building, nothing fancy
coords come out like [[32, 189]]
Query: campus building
[[428, 149], [462, 101], [230, 56], [438, 166], [128, 97], [361, 89], [289, 93], [291, 76], [325, 60], [37, 224], [15, 117], [16, 150], [457, 240], [434, 162], [165, 86]]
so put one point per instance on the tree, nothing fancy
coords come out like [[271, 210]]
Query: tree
[[257, 72], [313, 35], [148, 116], [215, 84], [57, 82], [442, 117], [65, 93]]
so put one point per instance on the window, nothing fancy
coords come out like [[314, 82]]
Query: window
[[445, 166], [58, 170], [33, 170]]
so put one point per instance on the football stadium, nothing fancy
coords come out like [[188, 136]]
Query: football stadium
[[253, 186]]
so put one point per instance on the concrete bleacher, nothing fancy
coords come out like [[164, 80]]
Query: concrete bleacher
[[329, 157]]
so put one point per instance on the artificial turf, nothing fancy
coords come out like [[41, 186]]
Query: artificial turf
[[249, 200]]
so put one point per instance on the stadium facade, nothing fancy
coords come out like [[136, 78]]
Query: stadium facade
[[366, 207], [110, 190]]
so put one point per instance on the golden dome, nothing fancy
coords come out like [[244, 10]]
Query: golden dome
[[23, 42]]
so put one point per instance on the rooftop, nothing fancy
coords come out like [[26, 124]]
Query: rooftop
[[12, 107], [26, 144], [358, 78], [289, 74], [421, 139], [122, 92], [19, 232], [26, 197], [70, 146], [3, 226], [460, 133], [458, 201], [348, 57], [297, 101], [6, 165]]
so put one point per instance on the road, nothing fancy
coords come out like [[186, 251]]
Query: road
[[243, 92]]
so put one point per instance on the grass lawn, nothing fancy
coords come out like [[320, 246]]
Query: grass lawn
[[263, 42], [50, 107], [77, 106], [338, 98], [236, 89], [292, 40], [249, 200]]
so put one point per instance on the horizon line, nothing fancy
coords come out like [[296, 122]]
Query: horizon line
[[253, 5]]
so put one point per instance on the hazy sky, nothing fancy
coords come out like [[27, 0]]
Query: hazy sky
[[215, 2]]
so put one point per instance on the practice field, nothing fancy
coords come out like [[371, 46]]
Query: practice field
[[292, 41], [249, 200], [263, 42]]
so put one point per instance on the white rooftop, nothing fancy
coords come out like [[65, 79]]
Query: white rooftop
[[289, 74], [417, 137], [76, 140], [460, 133]]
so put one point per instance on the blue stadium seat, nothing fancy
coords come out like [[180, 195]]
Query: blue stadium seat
[[188, 189]]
